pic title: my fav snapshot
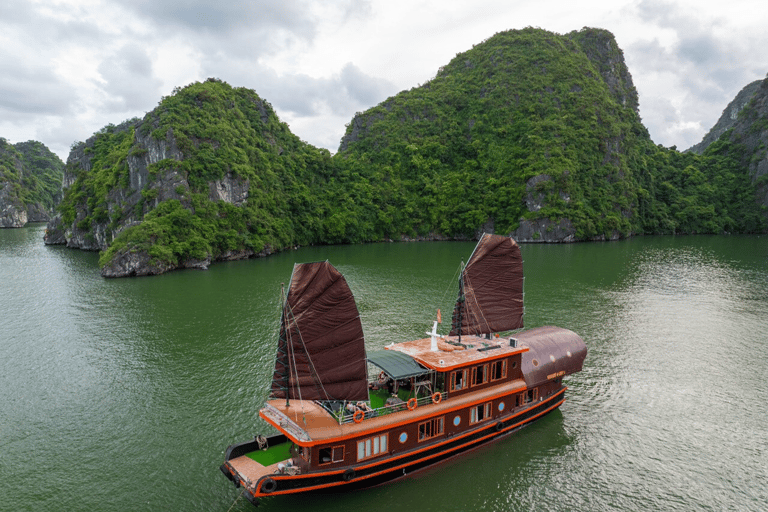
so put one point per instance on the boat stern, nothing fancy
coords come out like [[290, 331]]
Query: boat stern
[[256, 464]]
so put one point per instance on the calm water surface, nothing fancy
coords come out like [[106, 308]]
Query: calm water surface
[[123, 394]]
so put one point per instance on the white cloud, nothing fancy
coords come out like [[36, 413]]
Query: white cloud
[[696, 58]]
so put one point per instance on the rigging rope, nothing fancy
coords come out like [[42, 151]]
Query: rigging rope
[[236, 499], [450, 283], [477, 305], [292, 354]]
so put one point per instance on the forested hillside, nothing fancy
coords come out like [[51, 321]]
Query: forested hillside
[[538, 134], [210, 174], [742, 132], [30, 182], [529, 133]]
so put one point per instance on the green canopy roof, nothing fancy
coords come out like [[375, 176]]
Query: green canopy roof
[[396, 364]]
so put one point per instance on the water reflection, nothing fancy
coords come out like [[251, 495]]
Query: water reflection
[[665, 367]]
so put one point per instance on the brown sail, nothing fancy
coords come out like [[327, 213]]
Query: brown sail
[[321, 350], [490, 289]]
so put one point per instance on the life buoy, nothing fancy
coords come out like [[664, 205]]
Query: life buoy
[[412, 403], [382, 377], [499, 426], [358, 416], [348, 475], [437, 397], [268, 485]]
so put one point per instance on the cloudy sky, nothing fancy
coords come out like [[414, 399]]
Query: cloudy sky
[[69, 67]]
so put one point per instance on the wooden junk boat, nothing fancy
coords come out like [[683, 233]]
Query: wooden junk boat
[[425, 401]]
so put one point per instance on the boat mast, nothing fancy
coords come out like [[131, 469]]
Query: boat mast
[[283, 346]]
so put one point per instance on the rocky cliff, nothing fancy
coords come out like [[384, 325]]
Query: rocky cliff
[[198, 179], [146, 185], [744, 123], [751, 132], [728, 118], [30, 183]]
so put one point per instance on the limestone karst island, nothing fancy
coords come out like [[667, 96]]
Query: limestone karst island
[[529, 133]]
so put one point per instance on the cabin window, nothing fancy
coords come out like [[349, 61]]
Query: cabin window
[[520, 399], [458, 380], [479, 375], [499, 370], [533, 394], [331, 454], [303, 452], [479, 413], [431, 428], [371, 447]]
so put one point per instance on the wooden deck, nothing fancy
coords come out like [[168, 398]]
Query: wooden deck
[[252, 470], [448, 356], [317, 426]]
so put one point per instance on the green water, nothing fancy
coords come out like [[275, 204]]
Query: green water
[[124, 394]]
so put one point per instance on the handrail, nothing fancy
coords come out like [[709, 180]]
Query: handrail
[[346, 417]]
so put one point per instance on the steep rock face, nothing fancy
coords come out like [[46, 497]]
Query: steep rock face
[[128, 264], [145, 190], [729, 117], [545, 230], [36, 212], [12, 213], [30, 183], [751, 130], [538, 189], [745, 123], [231, 189], [601, 48]]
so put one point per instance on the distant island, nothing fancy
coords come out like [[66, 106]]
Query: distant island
[[30, 183], [530, 134]]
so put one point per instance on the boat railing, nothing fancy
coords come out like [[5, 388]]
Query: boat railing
[[343, 416]]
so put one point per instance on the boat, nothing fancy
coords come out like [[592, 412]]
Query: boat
[[347, 418]]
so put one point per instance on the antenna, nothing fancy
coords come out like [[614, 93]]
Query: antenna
[[433, 335]]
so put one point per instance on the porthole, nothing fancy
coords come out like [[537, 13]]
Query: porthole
[[403, 438], [456, 421], [501, 406], [535, 362]]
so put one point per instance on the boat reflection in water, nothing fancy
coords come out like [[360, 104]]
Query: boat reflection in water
[[347, 419]]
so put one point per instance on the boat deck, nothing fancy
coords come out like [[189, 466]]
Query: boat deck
[[307, 423], [251, 470], [473, 349]]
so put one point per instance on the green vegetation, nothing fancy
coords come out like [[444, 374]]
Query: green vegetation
[[33, 171], [222, 132], [461, 149], [525, 117]]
